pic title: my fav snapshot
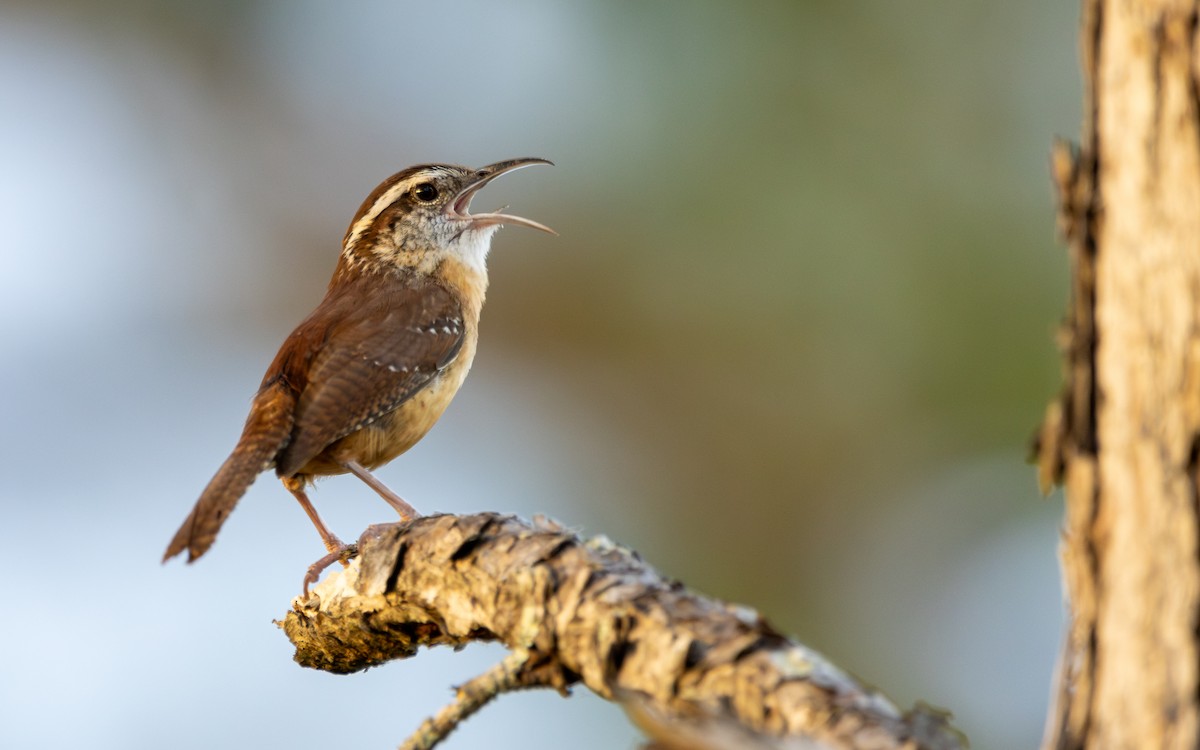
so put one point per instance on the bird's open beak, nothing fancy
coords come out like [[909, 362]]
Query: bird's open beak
[[459, 207]]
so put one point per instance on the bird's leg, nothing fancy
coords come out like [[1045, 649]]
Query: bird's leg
[[348, 551], [406, 511], [338, 552], [333, 545]]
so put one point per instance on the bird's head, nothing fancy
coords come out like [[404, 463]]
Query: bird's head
[[421, 216]]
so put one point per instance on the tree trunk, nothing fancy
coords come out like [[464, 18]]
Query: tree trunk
[[1124, 436]]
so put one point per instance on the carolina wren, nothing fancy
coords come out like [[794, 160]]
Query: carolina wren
[[367, 374]]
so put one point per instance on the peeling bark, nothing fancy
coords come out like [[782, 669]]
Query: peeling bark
[[1123, 436], [692, 671]]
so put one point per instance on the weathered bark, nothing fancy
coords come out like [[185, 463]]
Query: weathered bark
[[693, 672], [1123, 437]]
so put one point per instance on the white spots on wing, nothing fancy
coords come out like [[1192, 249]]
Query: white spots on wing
[[449, 326], [390, 367]]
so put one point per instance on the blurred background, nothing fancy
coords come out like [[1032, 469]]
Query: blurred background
[[790, 344]]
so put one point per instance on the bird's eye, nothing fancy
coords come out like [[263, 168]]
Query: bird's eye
[[426, 192]]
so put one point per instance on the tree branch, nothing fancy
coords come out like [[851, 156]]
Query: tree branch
[[691, 671]]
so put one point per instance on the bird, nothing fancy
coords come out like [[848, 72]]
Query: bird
[[367, 374]]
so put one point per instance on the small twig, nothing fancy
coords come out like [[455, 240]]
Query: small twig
[[476, 693]]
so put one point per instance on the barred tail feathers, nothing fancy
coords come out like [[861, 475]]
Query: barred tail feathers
[[267, 431]]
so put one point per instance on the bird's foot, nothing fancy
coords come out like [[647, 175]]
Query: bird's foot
[[341, 553]]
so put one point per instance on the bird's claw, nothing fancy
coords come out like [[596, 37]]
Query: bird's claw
[[343, 553]]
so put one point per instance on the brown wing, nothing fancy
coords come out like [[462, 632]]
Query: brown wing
[[375, 355]]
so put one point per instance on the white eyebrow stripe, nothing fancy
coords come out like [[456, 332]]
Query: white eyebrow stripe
[[385, 200], [382, 202]]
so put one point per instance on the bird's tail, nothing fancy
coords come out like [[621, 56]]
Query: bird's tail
[[267, 430]]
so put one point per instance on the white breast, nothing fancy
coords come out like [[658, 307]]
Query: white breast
[[473, 246]]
